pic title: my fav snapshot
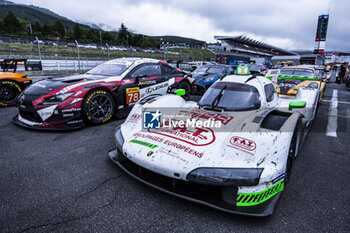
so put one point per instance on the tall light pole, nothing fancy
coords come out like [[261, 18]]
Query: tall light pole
[[107, 50], [30, 29], [37, 40], [101, 39], [31, 37], [77, 45]]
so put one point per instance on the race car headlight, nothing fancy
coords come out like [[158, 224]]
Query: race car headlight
[[209, 79], [119, 139], [56, 99], [226, 176], [313, 85]]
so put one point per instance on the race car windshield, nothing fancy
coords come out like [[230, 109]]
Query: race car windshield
[[300, 72], [108, 69], [233, 97], [215, 70], [209, 69], [201, 69]]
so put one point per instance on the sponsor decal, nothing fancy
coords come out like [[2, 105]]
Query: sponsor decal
[[170, 144], [107, 119], [242, 144], [95, 93], [142, 143], [45, 113], [135, 117], [173, 154], [147, 136], [250, 199], [13, 84], [155, 88], [184, 148], [68, 115], [132, 95], [71, 110], [149, 82], [151, 119], [197, 136], [74, 122]]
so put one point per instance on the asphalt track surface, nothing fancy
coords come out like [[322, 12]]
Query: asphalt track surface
[[65, 182]]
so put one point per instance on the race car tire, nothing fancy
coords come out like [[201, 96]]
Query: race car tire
[[184, 85], [98, 107], [293, 150], [9, 92]]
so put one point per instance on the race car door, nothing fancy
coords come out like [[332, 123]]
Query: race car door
[[144, 80]]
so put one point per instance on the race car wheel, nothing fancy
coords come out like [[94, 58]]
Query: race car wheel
[[9, 92], [98, 107], [293, 150], [184, 85]]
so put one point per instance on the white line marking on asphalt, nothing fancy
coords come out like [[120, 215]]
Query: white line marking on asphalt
[[339, 102], [332, 119]]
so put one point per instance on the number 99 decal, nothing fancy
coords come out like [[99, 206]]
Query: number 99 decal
[[132, 95]]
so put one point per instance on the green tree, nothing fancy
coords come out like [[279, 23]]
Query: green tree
[[46, 30], [149, 42], [92, 35], [77, 32], [136, 40], [2, 28], [36, 28], [11, 23], [58, 28], [123, 34], [107, 37]]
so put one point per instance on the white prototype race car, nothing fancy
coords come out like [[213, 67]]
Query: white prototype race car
[[233, 150]]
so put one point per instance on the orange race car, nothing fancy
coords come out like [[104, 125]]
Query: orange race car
[[11, 83]]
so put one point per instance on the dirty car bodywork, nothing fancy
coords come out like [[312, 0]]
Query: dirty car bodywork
[[240, 167]]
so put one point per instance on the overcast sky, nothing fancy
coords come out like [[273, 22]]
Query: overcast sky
[[289, 24]]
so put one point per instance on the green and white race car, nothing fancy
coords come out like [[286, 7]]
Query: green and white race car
[[233, 150]]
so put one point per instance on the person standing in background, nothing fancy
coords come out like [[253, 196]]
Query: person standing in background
[[342, 71]]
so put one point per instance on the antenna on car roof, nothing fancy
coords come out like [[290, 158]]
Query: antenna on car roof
[[223, 77], [250, 78]]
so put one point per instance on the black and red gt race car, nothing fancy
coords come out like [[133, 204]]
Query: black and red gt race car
[[111, 88]]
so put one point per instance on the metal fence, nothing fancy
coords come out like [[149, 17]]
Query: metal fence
[[35, 48]]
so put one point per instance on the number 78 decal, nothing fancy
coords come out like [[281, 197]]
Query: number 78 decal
[[132, 95]]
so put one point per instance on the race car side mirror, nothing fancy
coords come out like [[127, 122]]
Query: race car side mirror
[[180, 92], [141, 76], [297, 104]]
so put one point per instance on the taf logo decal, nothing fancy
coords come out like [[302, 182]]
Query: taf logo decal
[[151, 119], [243, 143]]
